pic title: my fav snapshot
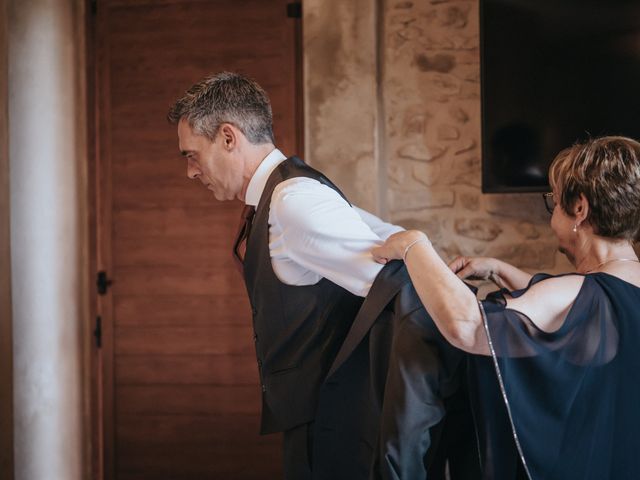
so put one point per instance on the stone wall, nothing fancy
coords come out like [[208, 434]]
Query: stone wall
[[426, 102]]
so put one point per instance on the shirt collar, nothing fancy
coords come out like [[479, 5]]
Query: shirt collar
[[261, 175]]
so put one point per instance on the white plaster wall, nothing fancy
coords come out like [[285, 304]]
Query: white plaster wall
[[45, 96], [340, 95]]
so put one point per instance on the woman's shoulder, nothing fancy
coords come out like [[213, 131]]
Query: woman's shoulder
[[545, 283], [618, 281], [573, 282], [548, 299], [564, 281]]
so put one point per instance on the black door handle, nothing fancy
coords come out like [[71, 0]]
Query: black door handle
[[103, 283]]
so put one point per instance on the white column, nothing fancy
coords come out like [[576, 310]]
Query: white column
[[48, 248]]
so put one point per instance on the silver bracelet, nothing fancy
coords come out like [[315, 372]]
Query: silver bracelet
[[416, 241]]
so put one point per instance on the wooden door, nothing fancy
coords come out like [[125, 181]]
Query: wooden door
[[180, 394]]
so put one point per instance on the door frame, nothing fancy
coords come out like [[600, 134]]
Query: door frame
[[99, 241]]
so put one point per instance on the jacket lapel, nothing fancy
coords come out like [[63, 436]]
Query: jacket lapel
[[386, 285]]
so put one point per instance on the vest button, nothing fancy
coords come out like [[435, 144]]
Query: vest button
[[264, 388], [259, 363], [255, 337]]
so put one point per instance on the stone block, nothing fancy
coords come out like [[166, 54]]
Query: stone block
[[396, 40], [469, 90], [465, 42], [469, 58], [458, 113], [415, 124], [427, 174], [421, 153], [521, 206], [398, 174], [465, 171], [528, 230], [468, 146], [477, 229], [469, 73], [411, 32], [429, 224], [470, 201], [448, 132], [440, 62], [454, 16], [403, 19], [440, 84], [435, 41], [534, 254], [427, 198]]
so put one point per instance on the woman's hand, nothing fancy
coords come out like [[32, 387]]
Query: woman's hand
[[395, 248], [449, 302], [501, 273], [475, 268]]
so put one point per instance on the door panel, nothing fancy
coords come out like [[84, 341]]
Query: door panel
[[181, 395]]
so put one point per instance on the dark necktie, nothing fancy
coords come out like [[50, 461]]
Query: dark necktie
[[239, 247]]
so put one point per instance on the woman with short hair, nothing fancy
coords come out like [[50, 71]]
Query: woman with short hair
[[563, 399]]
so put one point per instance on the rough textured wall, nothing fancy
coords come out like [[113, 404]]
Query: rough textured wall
[[431, 95], [430, 117], [340, 95]]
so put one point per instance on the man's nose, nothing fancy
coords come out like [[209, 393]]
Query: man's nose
[[192, 170]]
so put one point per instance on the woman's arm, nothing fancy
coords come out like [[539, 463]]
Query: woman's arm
[[448, 300], [454, 308], [501, 273]]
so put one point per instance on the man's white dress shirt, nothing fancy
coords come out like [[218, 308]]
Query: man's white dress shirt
[[315, 233]]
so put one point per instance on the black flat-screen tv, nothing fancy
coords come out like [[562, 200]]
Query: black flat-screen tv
[[553, 72]]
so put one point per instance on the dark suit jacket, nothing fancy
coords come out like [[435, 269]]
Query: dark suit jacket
[[395, 394]]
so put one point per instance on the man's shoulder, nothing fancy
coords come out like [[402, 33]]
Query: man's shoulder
[[291, 191], [306, 202], [294, 174]]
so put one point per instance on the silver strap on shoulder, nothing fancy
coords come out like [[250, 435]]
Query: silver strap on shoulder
[[502, 389]]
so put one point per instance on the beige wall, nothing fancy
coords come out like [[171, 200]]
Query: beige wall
[[6, 361], [421, 87], [341, 107]]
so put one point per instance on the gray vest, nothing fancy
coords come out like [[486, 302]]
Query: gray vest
[[298, 329]]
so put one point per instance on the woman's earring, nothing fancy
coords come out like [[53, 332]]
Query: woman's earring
[[575, 228]]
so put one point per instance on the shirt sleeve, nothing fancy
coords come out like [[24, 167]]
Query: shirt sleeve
[[381, 228], [315, 233]]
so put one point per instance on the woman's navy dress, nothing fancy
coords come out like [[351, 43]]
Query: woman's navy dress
[[562, 405]]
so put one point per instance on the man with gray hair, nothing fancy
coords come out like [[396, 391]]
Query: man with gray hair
[[304, 251], [307, 265]]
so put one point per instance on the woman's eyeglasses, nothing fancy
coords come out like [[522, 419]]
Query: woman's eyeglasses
[[549, 201]]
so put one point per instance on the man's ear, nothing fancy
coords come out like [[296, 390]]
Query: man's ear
[[581, 209], [229, 136]]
